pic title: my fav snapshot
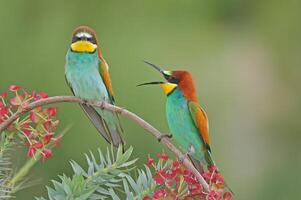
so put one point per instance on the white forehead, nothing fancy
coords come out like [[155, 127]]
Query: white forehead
[[83, 34]]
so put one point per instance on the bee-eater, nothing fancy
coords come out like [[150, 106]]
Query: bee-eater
[[186, 119], [87, 74]]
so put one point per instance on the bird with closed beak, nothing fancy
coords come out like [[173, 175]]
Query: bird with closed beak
[[87, 74]]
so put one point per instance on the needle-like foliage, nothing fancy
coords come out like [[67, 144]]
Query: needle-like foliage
[[106, 177], [5, 166]]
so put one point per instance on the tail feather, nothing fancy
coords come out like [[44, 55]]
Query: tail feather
[[112, 134], [208, 158], [196, 163]]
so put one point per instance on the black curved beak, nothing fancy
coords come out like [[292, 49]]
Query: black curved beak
[[155, 66], [151, 83]]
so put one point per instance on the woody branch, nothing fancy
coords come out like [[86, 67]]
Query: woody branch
[[123, 112]]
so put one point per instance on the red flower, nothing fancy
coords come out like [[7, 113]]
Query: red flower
[[213, 195], [25, 126], [170, 174], [17, 100], [33, 117], [27, 133], [206, 176], [3, 95], [176, 164], [14, 88], [47, 125], [196, 189], [186, 172], [31, 151], [47, 137], [163, 156], [212, 168], [160, 193], [57, 140], [227, 196], [38, 145], [3, 110], [43, 95], [47, 153], [219, 180], [158, 178], [39, 95], [150, 161], [51, 111], [190, 180]]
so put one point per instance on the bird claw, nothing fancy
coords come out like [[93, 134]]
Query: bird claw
[[85, 102], [163, 136], [119, 111], [182, 158]]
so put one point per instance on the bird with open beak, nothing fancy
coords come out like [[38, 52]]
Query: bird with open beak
[[186, 119]]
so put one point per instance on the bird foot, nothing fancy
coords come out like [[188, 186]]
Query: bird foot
[[187, 154], [120, 110], [85, 102], [163, 136], [182, 158]]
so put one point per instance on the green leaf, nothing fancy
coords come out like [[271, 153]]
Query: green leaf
[[98, 181], [113, 194]]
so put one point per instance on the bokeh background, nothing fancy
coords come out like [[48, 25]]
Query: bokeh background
[[245, 57]]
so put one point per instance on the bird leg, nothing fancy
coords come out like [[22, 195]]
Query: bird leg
[[163, 136]]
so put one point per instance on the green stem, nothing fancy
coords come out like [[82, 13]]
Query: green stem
[[24, 170]]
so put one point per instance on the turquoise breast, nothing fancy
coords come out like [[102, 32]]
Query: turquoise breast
[[82, 73], [181, 125]]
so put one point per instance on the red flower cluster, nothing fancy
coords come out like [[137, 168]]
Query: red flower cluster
[[174, 181], [38, 127]]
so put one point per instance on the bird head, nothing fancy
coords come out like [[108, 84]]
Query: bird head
[[84, 40], [174, 79]]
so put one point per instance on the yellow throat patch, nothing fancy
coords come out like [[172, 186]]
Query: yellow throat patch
[[168, 87], [83, 46]]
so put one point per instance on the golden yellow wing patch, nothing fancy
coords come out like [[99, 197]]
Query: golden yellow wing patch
[[201, 121], [104, 72]]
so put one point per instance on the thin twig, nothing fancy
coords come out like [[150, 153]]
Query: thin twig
[[141, 122]]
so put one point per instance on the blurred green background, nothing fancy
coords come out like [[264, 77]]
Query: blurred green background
[[245, 57]]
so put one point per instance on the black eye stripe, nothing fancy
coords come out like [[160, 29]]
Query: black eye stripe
[[92, 40], [75, 39], [171, 79]]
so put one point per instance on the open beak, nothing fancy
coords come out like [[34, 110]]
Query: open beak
[[166, 86], [159, 69]]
